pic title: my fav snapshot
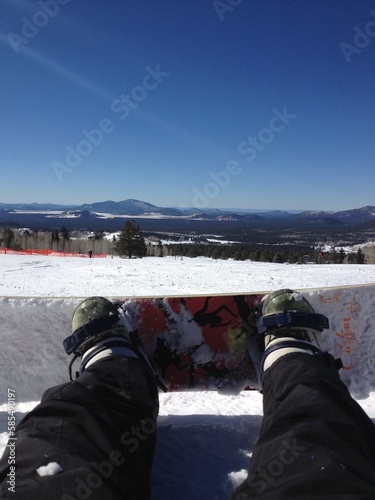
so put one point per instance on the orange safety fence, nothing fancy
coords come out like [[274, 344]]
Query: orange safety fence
[[53, 253]]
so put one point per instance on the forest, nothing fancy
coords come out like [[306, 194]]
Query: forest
[[132, 242]]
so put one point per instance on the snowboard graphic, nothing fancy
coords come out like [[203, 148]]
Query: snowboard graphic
[[198, 342], [195, 342], [202, 342]]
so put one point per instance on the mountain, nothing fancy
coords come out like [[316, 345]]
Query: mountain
[[125, 207], [344, 217], [280, 214], [19, 213], [357, 215], [36, 206], [313, 217], [129, 207], [74, 214]]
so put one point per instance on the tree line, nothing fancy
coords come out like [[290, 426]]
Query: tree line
[[268, 253], [58, 240], [131, 243]]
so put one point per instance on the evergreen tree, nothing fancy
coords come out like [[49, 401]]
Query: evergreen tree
[[278, 258], [359, 257], [341, 256], [65, 236], [265, 256], [8, 238], [333, 255], [238, 255], [151, 250], [55, 240], [26, 235], [131, 242], [255, 256], [293, 258], [351, 258], [216, 254], [99, 235]]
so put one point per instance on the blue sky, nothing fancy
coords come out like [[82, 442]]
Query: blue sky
[[263, 104]]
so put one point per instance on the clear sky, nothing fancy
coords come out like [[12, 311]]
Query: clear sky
[[266, 104]]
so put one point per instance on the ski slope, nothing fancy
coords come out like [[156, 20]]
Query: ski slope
[[205, 439]]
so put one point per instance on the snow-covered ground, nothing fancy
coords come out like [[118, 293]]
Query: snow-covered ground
[[76, 277], [205, 439]]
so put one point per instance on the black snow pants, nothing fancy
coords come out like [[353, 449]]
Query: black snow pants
[[99, 429], [315, 441]]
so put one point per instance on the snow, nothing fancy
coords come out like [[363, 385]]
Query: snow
[[205, 439], [35, 276], [49, 469]]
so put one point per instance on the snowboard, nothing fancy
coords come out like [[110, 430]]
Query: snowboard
[[202, 342], [198, 342], [195, 342]]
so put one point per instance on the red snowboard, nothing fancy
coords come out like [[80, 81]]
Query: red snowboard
[[199, 342]]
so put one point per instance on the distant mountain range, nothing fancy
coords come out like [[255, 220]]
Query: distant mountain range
[[139, 208]]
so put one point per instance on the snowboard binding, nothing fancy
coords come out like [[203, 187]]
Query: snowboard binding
[[288, 324], [101, 328]]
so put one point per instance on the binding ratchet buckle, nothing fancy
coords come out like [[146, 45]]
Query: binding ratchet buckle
[[310, 321]]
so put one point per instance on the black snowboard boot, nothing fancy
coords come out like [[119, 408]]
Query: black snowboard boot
[[289, 324], [101, 329]]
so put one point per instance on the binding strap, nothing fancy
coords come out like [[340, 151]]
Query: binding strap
[[311, 321], [89, 330], [334, 363]]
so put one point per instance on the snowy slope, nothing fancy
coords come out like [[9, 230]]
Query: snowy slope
[[205, 439], [71, 276]]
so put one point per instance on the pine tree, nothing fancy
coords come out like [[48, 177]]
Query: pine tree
[[8, 238], [255, 256], [341, 256], [360, 257], [131, 242], [65, 237], [278, 258], [55, 240]]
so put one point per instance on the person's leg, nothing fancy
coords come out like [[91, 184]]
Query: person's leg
[[99, 431], [315, 440]]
